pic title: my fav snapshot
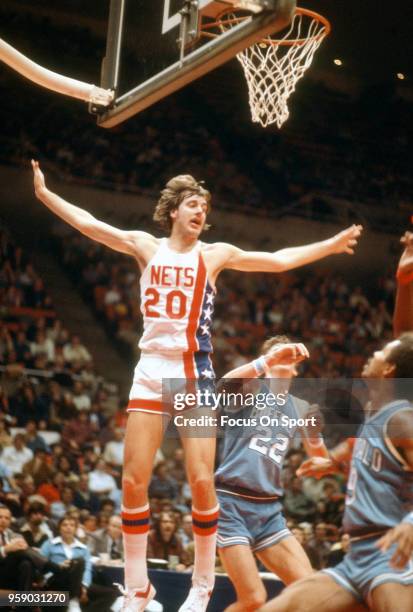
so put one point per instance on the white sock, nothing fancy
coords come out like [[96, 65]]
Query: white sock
[[204, 524], [135, 528]]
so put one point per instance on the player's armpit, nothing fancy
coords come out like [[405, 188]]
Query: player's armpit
[[400, 434]]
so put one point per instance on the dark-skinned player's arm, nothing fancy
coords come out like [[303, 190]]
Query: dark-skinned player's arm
[[311, 435], [400, 433], [337, 461], [403, 310]]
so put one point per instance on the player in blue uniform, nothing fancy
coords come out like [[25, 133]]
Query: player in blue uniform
[[377, 572], [248, 479]]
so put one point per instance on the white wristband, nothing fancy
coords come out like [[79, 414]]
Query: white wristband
[[259, 365], [408, 518]]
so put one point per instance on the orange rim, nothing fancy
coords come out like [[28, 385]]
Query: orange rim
[[222, 21]]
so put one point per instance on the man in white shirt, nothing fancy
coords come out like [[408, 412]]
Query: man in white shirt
[[75, 351], [113, 454], [14, 457], [100, 481]]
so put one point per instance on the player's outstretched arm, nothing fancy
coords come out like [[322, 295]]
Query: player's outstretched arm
[[284, 354], [311, 434], [403, 309], [320, 466], [119, 240], [294, 257], [400, 433]]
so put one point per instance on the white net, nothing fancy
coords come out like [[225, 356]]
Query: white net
[[273, 66]]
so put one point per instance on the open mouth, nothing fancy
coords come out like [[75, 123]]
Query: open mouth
[[195, 223]]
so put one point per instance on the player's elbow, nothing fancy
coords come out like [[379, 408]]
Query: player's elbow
[[279, 264]]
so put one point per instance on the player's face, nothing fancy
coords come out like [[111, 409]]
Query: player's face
[[378, 366], [191, 214]]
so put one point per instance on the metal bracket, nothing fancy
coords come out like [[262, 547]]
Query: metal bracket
[[188, 29]]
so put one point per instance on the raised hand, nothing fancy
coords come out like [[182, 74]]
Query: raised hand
[[345, 241], [286, 354], [316, 467], [405, 267], [38, 177]]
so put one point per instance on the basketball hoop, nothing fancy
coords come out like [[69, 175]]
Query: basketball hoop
[[274, 65]]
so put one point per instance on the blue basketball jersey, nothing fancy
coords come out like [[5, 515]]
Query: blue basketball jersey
[[251, 457], [380, 485]]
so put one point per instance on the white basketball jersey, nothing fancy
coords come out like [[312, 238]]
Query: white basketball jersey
[[177, 302]]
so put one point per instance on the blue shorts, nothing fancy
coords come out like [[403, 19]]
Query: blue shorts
[[258, 525], [365, 567]]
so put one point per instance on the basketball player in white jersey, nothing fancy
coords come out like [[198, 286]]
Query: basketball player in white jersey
[[177, 293]]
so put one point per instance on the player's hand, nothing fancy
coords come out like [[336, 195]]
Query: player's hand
[[286, 354], [345, 241], [405, 267], [38, 178], [402, 535], [315, 467]]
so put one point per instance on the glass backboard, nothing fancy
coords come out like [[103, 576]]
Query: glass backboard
[[154, 49]]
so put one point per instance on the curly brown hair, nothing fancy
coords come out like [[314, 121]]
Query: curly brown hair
[[176, 190]]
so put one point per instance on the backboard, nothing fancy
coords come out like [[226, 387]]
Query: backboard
[[155, 48]]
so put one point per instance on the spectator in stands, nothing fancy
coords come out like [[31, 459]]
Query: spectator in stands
[[75, 351], [76, 433], [101, 482], [319, 545], [296, 504], [68, 469], [36, 529], [295, 457], [185, 533], [60, 508], [331, 505], [6, 479], [176, 465], [14, 457], [162, 485], [22, 348], [43, 346], [25, 405], [109, 540], [5, 437], [33, 440], [84, 499], [39, 467], [113, 454], [81, 399], [51, 489], [163, 542], [16, 568], [75, 568]]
